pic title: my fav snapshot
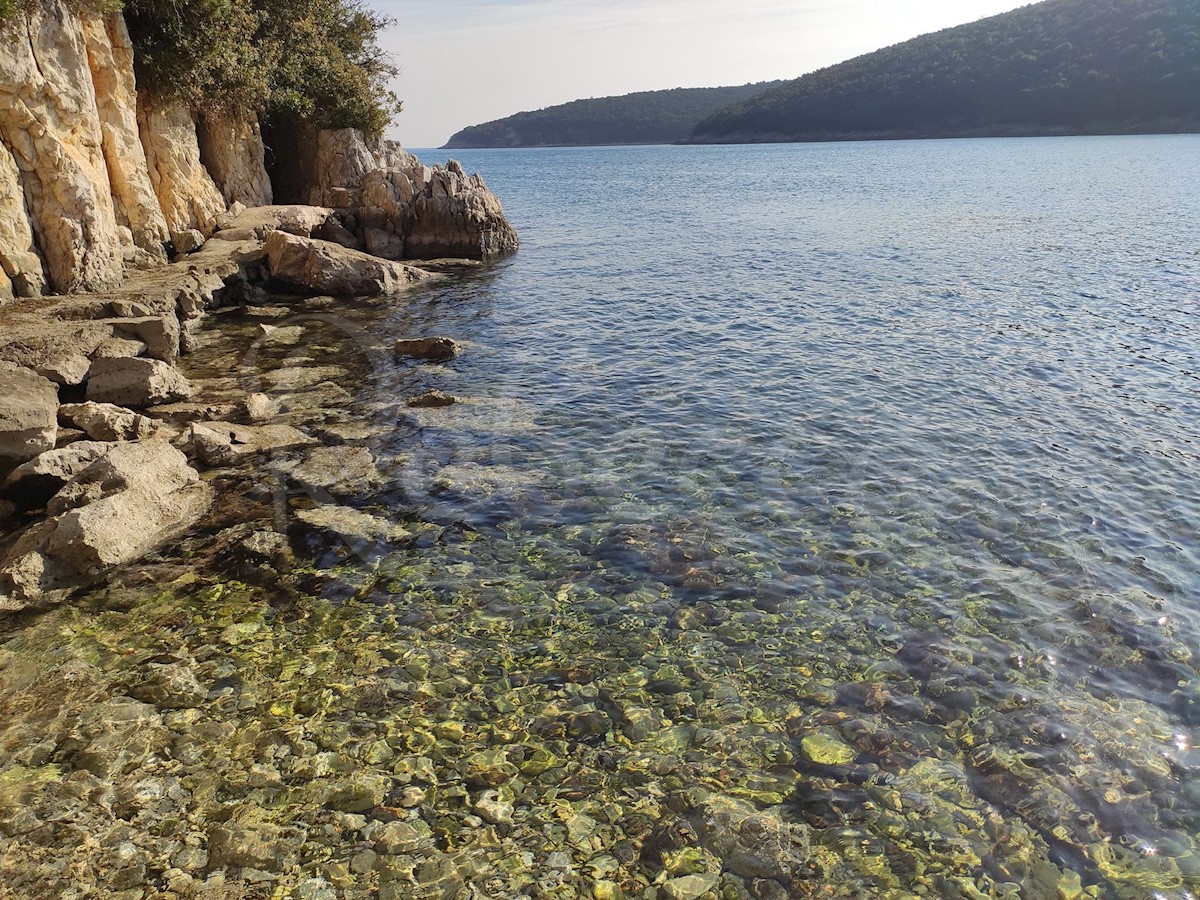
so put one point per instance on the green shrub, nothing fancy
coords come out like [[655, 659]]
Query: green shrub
[[318, 61]]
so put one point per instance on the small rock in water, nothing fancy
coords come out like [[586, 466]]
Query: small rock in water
[[689, 887], [493, 808], [826, 750], [431, 400], [427, 348]]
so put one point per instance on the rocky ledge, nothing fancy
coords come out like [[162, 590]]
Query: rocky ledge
[[101, 433]]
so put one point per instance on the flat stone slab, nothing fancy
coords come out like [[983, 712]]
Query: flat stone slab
[[325, 268], [353, 525], [136, 382]]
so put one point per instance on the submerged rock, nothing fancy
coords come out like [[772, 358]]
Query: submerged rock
[[431, 400], [352, 525], [340, 471], [437, 349], [224, 443], [750, 842]]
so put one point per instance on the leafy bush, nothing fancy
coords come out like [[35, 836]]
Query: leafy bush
[[317, 61]]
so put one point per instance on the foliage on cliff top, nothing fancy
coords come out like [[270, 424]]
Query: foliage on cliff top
[[1058, 66], [9, 8], [318, 61], [315, 60], [647, 117]]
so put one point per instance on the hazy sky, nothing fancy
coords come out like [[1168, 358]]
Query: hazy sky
[[470, 61]]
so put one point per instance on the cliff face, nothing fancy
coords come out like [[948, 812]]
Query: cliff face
[[102, 179], [97, 176]]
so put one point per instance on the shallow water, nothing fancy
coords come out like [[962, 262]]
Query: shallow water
[[815, 521], [919, 418]]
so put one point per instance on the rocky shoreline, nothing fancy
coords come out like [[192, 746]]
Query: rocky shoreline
[[83, 373], [148, 435]]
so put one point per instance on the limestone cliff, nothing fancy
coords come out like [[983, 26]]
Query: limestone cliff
[[98, 176], [93, 178], [398, 208]]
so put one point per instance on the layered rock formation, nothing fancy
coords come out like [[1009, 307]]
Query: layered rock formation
[[101, 183], [397, 208], [97, 176]]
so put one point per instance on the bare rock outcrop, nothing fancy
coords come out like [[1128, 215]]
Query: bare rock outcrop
[[326, 268], [50, 123], [401, 209], [121, 506], [93, 178], [21, 272], [28, 413], [231, 148], [110, 58], [186, 192]]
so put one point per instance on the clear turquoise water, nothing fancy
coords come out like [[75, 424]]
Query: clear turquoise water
[[894, 443]]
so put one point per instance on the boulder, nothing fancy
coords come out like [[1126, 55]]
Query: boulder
[[256, 223], [225, 444], [326, 268], [260, 407], [124, 505], [436, 349], [160, 334], [431, 400], [136, 382], [28, 413], [107, 422], [33, 483], [121, 506], [188, 241]]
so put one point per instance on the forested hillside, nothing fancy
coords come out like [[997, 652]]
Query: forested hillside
[[1058, 67], [649, 117]]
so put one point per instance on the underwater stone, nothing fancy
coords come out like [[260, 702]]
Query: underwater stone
[[255, 844], [490, 768], [690, 887], [170, 687], [436, 349], [431, 400], [826, 750], [401, 837]]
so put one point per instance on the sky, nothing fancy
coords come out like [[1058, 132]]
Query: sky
[[465, 62]]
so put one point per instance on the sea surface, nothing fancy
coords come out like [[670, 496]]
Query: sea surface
[[814, 521], [894, 444]]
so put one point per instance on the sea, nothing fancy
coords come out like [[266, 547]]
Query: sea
[[811, 521], [859, 482]]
